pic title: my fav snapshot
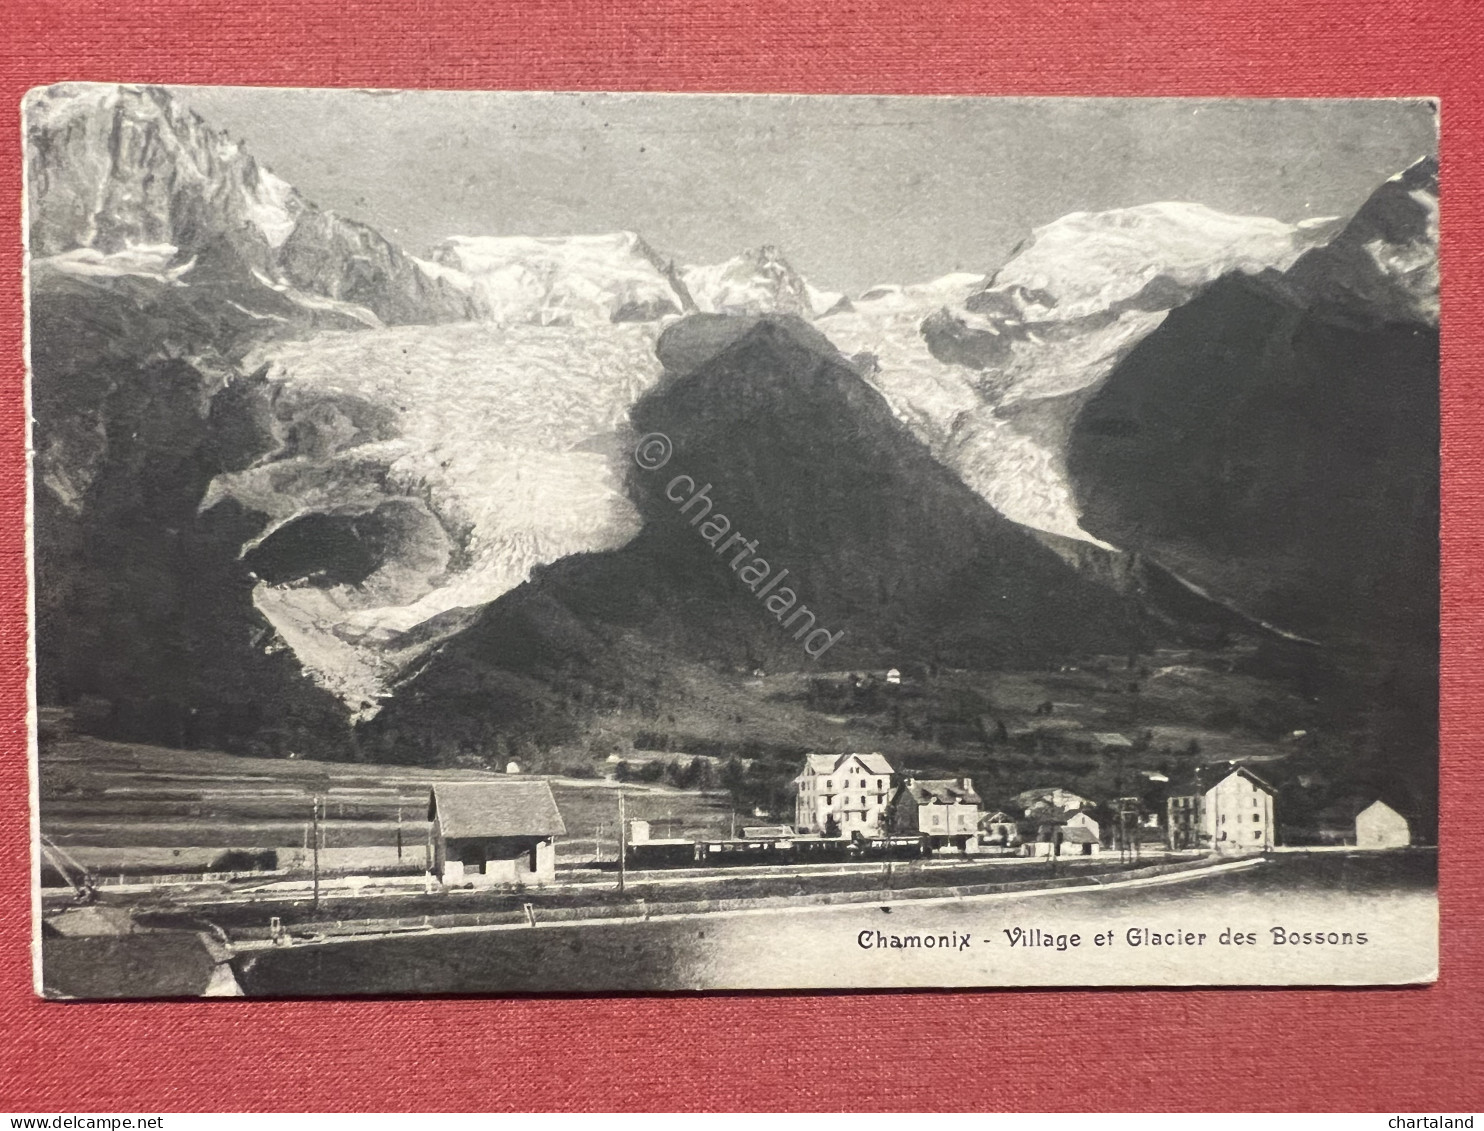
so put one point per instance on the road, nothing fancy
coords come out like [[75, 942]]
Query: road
[[1389, 900]]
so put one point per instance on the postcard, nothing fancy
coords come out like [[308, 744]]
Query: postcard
[[536, 542]]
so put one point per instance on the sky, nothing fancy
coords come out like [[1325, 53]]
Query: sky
[[856, 191]]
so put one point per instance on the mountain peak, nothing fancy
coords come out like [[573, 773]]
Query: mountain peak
[[760, 280], [1383, 266], [114, 169], [608, 277]]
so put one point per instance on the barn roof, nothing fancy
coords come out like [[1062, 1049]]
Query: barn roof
[[495, 808]]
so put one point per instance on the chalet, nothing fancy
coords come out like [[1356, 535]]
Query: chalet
[[1378, 825], [849, 790], [944, 810], [1234, 815], [494, 832]]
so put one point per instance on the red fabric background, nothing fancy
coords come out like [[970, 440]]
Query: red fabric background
[[1398, 1050]]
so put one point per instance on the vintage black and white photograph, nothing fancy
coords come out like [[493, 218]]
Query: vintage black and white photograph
[[502, 543]]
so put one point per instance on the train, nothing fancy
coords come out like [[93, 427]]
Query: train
[[771, 847]]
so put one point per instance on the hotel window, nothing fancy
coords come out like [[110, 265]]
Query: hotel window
[[1255, 818]]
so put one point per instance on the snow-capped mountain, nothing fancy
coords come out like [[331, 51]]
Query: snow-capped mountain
[[122, 181], [495, 450], [1384, 265], [990, 373], [759, 281], [615, 277], [1275, 440], [369, 448]]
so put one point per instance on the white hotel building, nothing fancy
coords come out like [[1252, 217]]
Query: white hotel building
[[852, 788]]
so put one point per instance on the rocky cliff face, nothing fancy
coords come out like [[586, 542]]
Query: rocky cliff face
[[162, 256], [120, 174]]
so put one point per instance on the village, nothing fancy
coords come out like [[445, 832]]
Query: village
[[856, 806], [366, 853]]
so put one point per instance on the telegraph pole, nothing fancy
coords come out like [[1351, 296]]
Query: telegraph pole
[[623, 841], [315, 836], [399, 834]]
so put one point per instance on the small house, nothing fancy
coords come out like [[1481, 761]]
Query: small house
[[494, 832], [1064, 839], [1378, 825], [946, 811]]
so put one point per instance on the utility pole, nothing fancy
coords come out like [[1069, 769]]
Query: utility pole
[[316, 853], [887, 823], [623, 841], [399, 834]]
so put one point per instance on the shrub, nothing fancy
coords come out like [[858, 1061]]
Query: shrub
[[241, 860]]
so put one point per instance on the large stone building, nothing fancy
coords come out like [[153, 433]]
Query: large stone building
[[1233, 815], [843, 793]]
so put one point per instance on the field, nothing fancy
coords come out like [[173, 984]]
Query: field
[[124, 809], [130, 809]]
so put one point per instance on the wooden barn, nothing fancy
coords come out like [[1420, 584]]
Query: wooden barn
[[494, 832]]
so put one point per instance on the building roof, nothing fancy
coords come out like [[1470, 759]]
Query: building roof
[[495, 808], [1238, 768], [766, 832], [824, 764], [942, 791], [1205, 778], [1383, 804], [1111, 739], [1026, 798], [1076, 834]]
